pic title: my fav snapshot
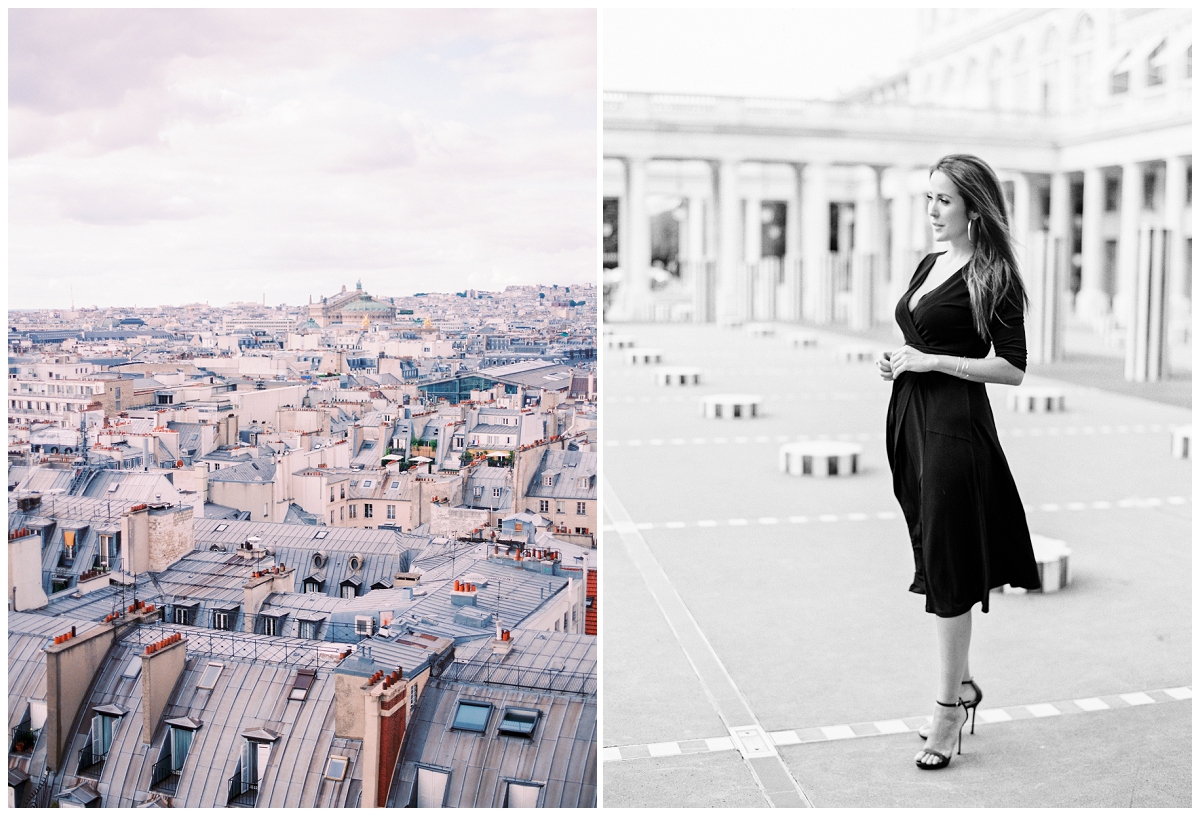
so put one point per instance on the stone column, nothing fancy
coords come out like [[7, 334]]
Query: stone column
[[1021, 217], [1179, 307], [636, 264], [752, 227], [1043, 324], [793, 291], [818, 306], [729, 250], [1092, 300], [1127, 248]]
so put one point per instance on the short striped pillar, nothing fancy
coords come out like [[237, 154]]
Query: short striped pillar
[[618, 342], [760, 329], [1053, 559], [1036, 400], [819, 457], [1181, 442], [802, 339], [731, 406], [855, 354], [643, 356], [677, 375]]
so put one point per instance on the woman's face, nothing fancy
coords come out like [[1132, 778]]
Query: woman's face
[[947, 211]]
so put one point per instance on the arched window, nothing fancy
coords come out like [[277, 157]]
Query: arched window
[[947, 83], [970, 95], [1084, 28], [1020, 92], [1050, 67]]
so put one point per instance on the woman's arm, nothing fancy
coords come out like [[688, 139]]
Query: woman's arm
[[988, 369]]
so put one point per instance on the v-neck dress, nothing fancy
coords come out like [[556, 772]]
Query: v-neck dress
[[964, 516]]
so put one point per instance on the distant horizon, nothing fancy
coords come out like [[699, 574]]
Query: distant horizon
[[249, 303]]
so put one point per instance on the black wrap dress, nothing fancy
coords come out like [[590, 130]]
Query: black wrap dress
[[965, 518]]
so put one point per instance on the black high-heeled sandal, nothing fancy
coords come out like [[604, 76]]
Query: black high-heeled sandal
[[930, 766], [971, 706]]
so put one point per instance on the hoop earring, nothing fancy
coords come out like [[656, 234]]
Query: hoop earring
[[969, 236]]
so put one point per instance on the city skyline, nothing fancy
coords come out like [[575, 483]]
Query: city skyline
[[170, 156]]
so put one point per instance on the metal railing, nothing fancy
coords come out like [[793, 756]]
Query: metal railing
[[89, 759], [164, 777], [241, 792], [26, 738], [488, 672]]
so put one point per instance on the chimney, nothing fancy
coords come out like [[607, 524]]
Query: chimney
[[162, 665], [135, 539], [25, 571], [463, 594], [355, 440], [386, 719]]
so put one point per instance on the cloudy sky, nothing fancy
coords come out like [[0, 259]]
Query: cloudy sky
[[794, 53], [168, 157]]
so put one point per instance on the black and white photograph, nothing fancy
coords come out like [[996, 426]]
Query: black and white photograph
[[896, 504]]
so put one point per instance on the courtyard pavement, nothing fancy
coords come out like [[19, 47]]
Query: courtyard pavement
[[760, 647]]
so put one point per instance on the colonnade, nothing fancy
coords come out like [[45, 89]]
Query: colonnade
[[1132, 253]]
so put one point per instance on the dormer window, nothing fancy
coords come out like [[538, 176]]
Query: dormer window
[[495, 492], [548, 480], [478, 491]]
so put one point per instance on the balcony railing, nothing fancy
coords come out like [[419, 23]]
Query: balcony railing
[[23, 741], [164, 778], [241, 792], [90, 761]]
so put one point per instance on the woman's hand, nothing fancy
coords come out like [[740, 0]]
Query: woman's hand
[[907, 359], [885, 365]]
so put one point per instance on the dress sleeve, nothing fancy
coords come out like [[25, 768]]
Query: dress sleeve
[[1008, 331]]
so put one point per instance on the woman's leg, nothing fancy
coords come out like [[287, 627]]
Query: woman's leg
[[954, 642]]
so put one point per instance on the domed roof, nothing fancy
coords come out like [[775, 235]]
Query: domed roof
[[366, 306]]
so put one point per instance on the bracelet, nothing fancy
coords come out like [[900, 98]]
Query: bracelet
[[966, 366], [958, 367]]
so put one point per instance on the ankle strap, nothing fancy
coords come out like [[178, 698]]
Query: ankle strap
[[950, 705]]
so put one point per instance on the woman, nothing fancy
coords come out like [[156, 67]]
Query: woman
[[964, 516]]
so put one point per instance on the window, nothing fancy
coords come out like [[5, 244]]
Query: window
[[331, 493], [430, 788], [103, 726], [522, 795], [321, 534], [209, 679], [312, 586], [368, 510], [548, 480], [518, 722], [1149, 189], [581, 531], [478, 492], [309, 629], [544, 506], [472, 716], [495, 492], [1119, 78], [367, 483], [391, 511], [302, 683], [560, 507], [271, 623], [181, 743], [220, 528], [133, 667], [394, 485], [341, 513], [364, 625], [343, 491], [581, 508], [335, 768], [1112, 194], [185, 615], [349, 591], [1155, 70], [354, 511], [224, 619]]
